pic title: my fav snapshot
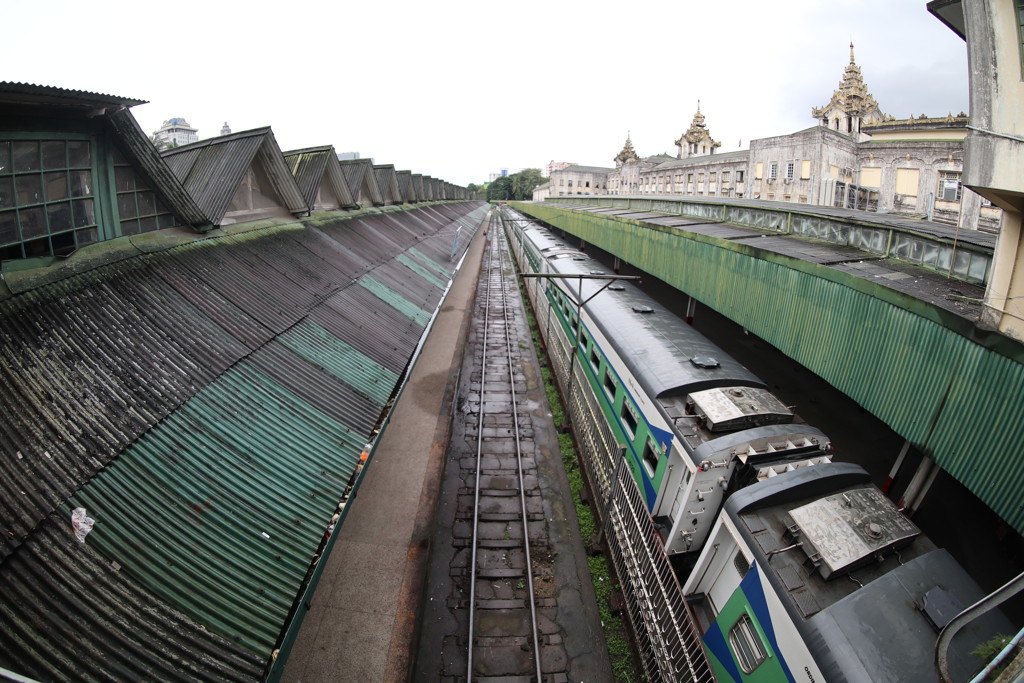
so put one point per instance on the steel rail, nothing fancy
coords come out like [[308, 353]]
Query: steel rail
[[519, 463], [476, 486], [497, 272]]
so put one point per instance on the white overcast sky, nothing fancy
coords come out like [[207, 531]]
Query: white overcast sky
[[457, 90]]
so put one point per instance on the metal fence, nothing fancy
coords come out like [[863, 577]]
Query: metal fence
[[667, 639]]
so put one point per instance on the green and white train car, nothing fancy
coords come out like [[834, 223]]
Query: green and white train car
[[802, 570], [694, 421]]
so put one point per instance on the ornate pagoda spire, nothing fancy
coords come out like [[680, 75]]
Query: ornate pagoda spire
[[851, 101], [696, 141], [627, 153]]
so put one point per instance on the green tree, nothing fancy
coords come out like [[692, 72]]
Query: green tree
[[524, 183], [500, 190]]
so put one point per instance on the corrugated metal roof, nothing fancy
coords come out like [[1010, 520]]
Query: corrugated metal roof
[[145, 156], [387, 180], [212, 170], [362, 181], [317, 167], [405, 189], [31, 94], [206, 405]]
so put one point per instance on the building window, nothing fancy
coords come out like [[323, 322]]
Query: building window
[[137, 205], [773, 170], [725, 176], [790, 170], [46, 197], [739, 176], [746, 644], [950, 188], [712, 177], [689, 177], [700, 177]]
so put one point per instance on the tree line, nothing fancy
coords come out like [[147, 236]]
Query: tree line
[[515, 187]]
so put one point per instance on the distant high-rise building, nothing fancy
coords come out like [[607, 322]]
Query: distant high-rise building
[[225, 129], [176, 132]]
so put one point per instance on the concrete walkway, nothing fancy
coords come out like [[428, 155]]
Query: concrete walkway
[[362, 621]]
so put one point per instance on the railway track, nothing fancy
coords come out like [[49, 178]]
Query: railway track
[[508, 596], [503, 637]]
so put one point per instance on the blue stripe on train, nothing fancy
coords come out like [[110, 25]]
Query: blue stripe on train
[[753, 589], [714, 641]]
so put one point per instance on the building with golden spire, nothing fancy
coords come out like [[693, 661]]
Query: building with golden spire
[[696, 141], [851, 104]]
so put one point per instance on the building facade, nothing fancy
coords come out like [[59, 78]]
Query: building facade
[[855, 157], [579, 180], [993, 164]]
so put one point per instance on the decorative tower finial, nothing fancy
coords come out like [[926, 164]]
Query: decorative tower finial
[[696, 141], [627, 153], [851, 104]]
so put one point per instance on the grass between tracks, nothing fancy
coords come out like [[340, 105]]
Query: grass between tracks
[[619, 651]]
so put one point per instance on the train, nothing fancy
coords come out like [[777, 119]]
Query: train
[[794, 567]]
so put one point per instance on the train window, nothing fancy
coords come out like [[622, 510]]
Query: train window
[[595, 358], [650, 458], [610, 385], [741, 564], [629, 420], [746, 644]]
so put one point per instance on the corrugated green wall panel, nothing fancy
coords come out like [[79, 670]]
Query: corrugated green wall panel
[[916, 367]]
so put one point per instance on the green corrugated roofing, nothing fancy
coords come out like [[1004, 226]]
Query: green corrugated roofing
[[421, 271], [248, 475], [955, 391], [394, 299], [351, 367], [444, 271]]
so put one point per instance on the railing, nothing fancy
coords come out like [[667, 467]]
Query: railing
[[668, 642]]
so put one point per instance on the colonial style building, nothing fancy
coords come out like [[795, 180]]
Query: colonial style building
[[581, 180], [855, 157]]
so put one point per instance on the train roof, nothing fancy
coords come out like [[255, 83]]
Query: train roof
[[871, 622], [653, 342]]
